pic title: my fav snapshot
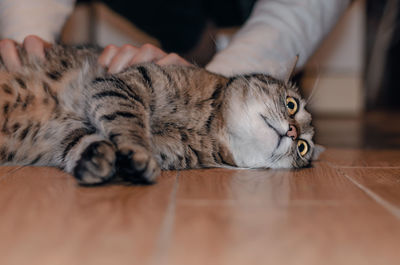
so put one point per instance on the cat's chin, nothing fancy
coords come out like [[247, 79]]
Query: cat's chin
[[283, 163], [257, 155], [250, 153]]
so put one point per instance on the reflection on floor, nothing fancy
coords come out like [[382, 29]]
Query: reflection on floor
[[344, 210]]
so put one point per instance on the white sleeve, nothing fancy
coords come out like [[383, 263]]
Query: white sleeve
[[45, 18], [275, 33]]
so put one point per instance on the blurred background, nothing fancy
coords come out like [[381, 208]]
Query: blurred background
[[352, 78]]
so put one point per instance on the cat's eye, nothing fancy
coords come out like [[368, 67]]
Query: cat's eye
[[292, 105], [302, 146]]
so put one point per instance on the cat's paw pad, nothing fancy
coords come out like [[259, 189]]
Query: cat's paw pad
[[97, 164], [137, 165]]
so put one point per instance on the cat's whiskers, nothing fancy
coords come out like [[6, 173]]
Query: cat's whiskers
[[315, 85], [168, 117], [246, 80]]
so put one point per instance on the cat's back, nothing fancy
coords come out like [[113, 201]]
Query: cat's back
[[44, 80], [57, 58], [61, 65], [180, 96], [33, 94], [175, 86]]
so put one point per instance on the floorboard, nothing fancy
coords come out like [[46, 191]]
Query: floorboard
[[46, 218], [345, 209]]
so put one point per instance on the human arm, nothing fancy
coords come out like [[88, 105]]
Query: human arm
[[41, 21], [275, 33]]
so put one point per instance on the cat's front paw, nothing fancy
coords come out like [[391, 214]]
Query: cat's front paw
[[97, 164], [137, 165]]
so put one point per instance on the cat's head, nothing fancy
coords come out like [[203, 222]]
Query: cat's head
[[267, 124]]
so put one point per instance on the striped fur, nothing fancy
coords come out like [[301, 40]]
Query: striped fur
[[69, 113]]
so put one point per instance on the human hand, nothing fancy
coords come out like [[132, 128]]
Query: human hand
[[118, 58], [33, 45]]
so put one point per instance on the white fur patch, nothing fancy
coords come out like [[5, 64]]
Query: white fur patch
[[257, 129]]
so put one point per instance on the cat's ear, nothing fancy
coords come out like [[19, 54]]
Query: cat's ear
[[318, 150], [291, 71]]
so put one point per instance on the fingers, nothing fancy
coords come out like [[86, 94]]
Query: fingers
[[35, 46], [122, 58], [9, 54], [128, 55], [119, 58], [107, 55], [174, 59], [148, 53]]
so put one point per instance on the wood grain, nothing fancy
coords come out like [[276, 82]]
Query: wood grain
[[320, 184], [310, 216], [296, 235], [384, 182], [47, 219], [362, 157], [343, 210], [5, 170]]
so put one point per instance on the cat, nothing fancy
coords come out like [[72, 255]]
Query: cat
[[68, 112]]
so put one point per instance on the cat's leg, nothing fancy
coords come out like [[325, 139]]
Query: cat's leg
[[96, 163], [121, 113], [86, 154]]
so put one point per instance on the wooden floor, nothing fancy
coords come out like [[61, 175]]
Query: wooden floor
[[344, 210]]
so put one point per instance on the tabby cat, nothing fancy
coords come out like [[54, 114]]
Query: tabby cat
[[69, 113]]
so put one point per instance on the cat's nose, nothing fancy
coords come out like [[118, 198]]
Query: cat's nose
[[292, 132]]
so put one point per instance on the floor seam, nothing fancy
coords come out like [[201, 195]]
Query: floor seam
[[164, 236], [394, 210]]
